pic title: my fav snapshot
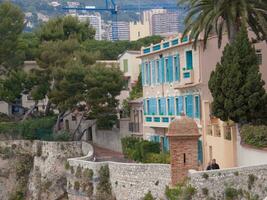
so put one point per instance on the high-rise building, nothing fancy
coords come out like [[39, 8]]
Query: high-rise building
[[165, 24], [147, 16], [122, 29], [95, 22]]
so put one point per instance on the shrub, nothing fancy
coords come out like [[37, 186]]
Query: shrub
[[254, 135], [67, 165], [61, 136], [148, 196], [251, 180], [230, 193], [88, 173], [104, 185], [205, 176], [78, 173], [77, 185], [205, 191], [181, 191], [157, 158], [137, 149]]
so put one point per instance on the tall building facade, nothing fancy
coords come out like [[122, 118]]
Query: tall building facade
[[123, 30], [175, 80], [95, 22], [165, 24], [147, 16], [139, 30]]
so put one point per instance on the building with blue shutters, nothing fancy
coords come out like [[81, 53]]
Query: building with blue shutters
[[170, 77], [175, 80]]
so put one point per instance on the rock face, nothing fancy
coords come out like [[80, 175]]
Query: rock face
[[44, 177]]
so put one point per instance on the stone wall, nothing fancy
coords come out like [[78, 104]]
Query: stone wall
[[129, 181], [243, 181], [47, 178], [111, 139]]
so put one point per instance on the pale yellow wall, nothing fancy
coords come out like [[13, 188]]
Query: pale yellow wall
[[133, 66], [139, 30]]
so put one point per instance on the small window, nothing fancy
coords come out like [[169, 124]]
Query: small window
[[125, 65], [167, 69], [73, 118], [259, 56], [139, 34], [184, 158], [189, 60], [157, 71]]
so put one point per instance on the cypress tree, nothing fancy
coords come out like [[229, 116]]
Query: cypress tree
[[236, 84]]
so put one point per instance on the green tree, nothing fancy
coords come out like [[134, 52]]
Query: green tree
[[103, 85], [236, 84], [31, 43], [63, 28], [219, 15], [11, 26]]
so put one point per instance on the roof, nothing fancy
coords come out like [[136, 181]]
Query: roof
[[183, 126], [130, 52]]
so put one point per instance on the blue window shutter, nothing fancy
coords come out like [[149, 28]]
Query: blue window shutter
[[177, 68], [170, 61], [143, 74], [155, 106], [180, 108], [149, 73], [189, 60], [172, 105], [163, 105], [159, 106], [162, 70], [153, 72], [144, 106], [197, 107], [167, 69], [189, 106]]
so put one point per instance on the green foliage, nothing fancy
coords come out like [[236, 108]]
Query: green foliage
[[205, 176], [109, 50], [77, 185], [11, 26], [207, 17], [137, 90], [32, 43], [230, 193], [236, 84], [104, 185], [64, 28], [28, 129], [143, 150], [103, 85], [4, 118], [205, 191], [254, 135], [67, 165], [180, 192], [78, 173], [251, 180], [88, 173], [158, 158], [149, 196]]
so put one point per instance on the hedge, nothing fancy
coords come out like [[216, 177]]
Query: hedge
[[255, 135], [143, 151]]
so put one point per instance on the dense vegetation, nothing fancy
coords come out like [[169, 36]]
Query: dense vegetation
[[143, 151], [254, 135], [236, 84]]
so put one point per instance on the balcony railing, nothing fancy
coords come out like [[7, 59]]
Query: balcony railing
[[159, 119], [188, 76]]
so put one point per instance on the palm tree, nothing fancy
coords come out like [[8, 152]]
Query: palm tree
[[217, 16]]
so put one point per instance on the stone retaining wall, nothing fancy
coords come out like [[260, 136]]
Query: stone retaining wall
[[129, 181], [250, 180]]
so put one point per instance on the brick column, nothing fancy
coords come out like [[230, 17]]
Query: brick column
[[183, 138]]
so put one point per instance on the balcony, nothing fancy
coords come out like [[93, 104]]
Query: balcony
[[188, 76], [158, 120]]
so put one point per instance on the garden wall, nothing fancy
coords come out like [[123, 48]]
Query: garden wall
[[129, 181], [217, 184]]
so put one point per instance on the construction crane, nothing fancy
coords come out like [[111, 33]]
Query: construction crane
[[113, 8]]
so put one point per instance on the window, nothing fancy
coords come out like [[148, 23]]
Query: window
[[169, 105], [159, 106], [125, 65], [177, 67], [138, 33], [148, 73], [197, 107], [189, 105], [167, 69], [189, 60], [259, 56], [157, 71], [148, 107], [179, 105]]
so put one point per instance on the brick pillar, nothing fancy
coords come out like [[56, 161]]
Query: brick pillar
[[183, 139]]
